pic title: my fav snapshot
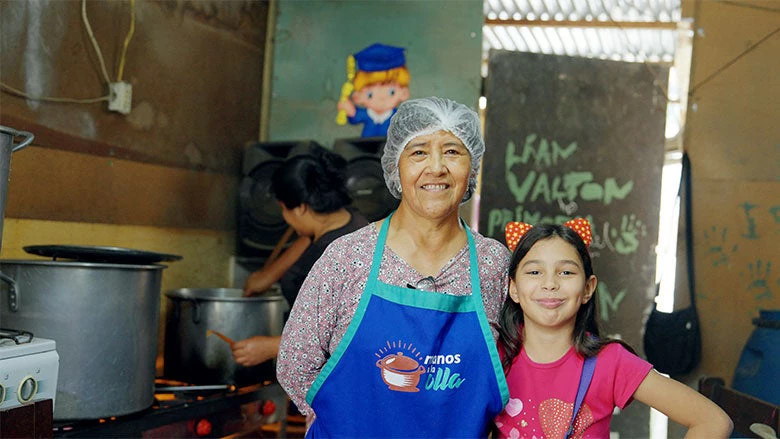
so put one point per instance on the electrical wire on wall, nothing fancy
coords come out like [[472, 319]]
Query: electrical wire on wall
[[637, 54], [129, 36], [732, 61], [16, 92], [94, 41]]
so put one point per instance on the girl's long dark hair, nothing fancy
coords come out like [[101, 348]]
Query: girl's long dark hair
[[317, 178], [587, 339]]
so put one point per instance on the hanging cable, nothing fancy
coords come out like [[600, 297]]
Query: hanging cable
[[127, 42], [730, 63], [94, 41], [16, 92], [658, 81], [742, 5]]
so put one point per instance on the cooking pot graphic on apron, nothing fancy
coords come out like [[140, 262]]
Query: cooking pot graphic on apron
[[400, 373]]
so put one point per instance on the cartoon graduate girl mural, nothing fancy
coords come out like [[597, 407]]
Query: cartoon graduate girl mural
[[377, 82]]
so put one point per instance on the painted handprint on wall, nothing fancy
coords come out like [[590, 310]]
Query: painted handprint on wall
[[758, 274], [626, 239], [719, 251]]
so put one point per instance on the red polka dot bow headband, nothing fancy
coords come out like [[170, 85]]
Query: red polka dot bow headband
[[515, 230]]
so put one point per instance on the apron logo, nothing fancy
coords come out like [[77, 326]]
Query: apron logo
[[441, 378], [401, 366]]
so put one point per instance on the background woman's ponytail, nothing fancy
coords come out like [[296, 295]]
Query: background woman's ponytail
[[317, 179]]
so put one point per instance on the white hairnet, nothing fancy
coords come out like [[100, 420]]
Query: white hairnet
[[419, 117]]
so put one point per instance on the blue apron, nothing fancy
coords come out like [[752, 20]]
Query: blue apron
[[411, 364]]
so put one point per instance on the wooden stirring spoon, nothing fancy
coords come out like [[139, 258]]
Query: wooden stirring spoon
[[220, 335]]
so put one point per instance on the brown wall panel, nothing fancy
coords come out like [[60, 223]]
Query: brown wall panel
[[732, 137], [736, 242], [734, 91], [65, 186]]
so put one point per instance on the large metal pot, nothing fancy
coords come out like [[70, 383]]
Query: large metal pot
[[104, 319], [191, 355], [7, 136]]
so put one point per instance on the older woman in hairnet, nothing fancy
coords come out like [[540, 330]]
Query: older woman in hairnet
[[390, 335]]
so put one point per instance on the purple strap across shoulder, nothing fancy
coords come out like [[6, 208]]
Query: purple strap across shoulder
[[588, 367]]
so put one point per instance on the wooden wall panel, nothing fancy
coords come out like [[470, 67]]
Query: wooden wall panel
[[67, 186], [732, 137], [736, 251]]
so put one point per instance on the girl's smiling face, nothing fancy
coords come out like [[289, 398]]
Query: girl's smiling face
[[550, 284]]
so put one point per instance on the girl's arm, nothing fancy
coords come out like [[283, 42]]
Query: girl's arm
[[702, 417]]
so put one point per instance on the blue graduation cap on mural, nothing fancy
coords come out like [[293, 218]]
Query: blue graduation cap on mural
[[379, 57]]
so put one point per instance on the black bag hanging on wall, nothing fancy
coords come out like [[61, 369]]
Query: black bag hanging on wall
[[672, 341]]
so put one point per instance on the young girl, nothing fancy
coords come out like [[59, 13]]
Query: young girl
[[548, 329]]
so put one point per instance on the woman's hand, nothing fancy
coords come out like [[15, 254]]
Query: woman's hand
[[257, 283], [256, 350]]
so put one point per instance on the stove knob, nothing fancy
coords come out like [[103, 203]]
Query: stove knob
[[203, 427], [269, 407], [27, 389]]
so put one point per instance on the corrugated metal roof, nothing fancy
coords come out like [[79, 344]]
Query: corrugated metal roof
[[584, 10], [627, 30]]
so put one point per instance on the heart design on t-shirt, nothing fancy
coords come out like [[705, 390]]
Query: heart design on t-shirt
[[554, 415], [514, 407]]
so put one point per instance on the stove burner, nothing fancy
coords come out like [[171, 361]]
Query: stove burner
[[181, 410], [18, 336]]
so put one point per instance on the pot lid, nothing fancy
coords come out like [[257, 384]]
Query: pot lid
[[400, 363], [114, 255], [226, 294]]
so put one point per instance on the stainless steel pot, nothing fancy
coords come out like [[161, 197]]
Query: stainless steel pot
[[7, 136], [104, 319], [194, 357]]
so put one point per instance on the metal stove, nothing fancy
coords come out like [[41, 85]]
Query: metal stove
[[190, 411], [28, 368]]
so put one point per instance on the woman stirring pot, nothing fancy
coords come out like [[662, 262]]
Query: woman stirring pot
[[390, 335], [312, 193]]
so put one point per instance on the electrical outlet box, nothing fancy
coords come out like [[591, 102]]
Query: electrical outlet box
[[121, 97]]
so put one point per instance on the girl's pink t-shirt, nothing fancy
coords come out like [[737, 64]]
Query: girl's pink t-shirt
[[542, 395]]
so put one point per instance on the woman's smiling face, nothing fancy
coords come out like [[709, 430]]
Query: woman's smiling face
[[434, 171]]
